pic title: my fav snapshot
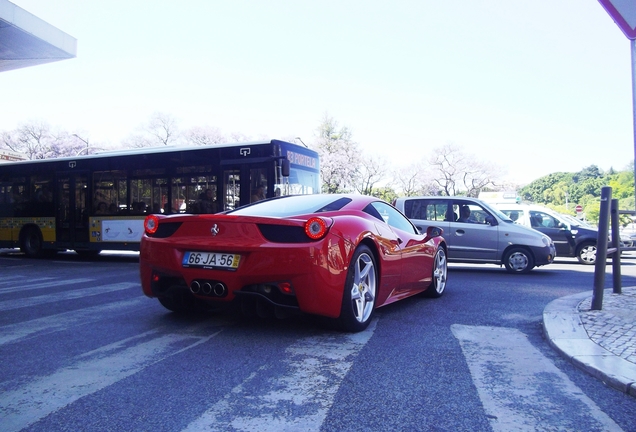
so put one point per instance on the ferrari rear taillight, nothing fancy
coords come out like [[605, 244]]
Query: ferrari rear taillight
[[316, 228], [151, 224]]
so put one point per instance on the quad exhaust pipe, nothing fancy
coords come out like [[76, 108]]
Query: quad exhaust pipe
[[208, 288]]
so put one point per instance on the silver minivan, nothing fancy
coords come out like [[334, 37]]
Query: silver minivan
[[478, 233]]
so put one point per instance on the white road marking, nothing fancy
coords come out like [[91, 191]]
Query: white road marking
[[520, 388], [317, 366], [59, 322], [9, 280], [98, 369], [36, 284], [63, 296]]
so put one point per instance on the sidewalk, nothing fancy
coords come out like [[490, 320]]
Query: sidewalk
[[603, 343]]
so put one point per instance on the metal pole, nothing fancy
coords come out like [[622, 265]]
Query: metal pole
[[601, 248], [633, 50], [616, 242]]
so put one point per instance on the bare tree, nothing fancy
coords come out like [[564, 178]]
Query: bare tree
[[372, 170], [161, 129], [239, 137], [32, 139], [461, 173], [205, 135], [37, 140], [415, 179], [339, 156]]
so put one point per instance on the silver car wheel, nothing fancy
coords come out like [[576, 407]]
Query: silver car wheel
[[518, 260], [440, 271], [587, 254], [363, 289], [440, 274]]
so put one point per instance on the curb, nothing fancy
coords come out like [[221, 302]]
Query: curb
[[564, 330]]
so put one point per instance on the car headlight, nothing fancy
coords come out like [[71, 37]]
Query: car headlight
[[546, 240]]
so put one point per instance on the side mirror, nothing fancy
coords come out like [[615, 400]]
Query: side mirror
[[432, 232], [490, 220], [285, 167]]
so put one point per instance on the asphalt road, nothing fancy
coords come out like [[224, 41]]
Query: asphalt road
[[82, 349]]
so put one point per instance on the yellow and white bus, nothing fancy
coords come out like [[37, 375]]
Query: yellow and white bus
[[99, 202]]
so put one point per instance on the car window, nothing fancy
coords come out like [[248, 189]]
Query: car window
[[469, 212], [514, 215], [541, 219], [391, 216], [423, 209]]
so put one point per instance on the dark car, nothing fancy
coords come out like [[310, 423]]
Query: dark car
[[571, 239]]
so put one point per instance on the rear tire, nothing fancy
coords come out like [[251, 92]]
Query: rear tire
[[360, 290], [440, 273], [518, 260], [31, 242]]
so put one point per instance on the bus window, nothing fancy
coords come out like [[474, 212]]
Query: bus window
[[231, 189], [14, 194], [109, 192], [6, 202], [159, 196], [206, 202], [40, 203], [258, 184], [301, 182], [140, 195]]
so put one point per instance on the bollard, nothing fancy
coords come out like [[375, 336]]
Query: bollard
[[616, 242], [601, 248]]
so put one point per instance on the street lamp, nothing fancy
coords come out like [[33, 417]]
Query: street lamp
[[83, 140]]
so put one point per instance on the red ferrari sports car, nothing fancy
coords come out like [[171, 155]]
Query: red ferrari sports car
[[337, 256]]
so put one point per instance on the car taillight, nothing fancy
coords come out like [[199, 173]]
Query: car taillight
[[151, 224], [315, 228]]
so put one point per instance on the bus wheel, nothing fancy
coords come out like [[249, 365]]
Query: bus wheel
[[31, 243]]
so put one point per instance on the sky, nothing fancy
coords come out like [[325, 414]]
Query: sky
[[532, 86]]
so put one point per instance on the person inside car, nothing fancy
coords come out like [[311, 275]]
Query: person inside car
[[464, 214]]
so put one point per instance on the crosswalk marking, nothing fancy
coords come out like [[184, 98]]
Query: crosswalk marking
[[99, 369], [62, 296], [10, 280], [317, 366], [34, 284], [41, 326], [518, 385]]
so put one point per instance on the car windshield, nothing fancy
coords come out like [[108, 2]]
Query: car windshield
[[293, 205], [498, 213], [575, 222]]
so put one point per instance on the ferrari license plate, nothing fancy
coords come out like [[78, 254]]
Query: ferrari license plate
[[211, 260]]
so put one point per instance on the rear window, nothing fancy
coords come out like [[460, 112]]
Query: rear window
[[423, 209], [293, 205]]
